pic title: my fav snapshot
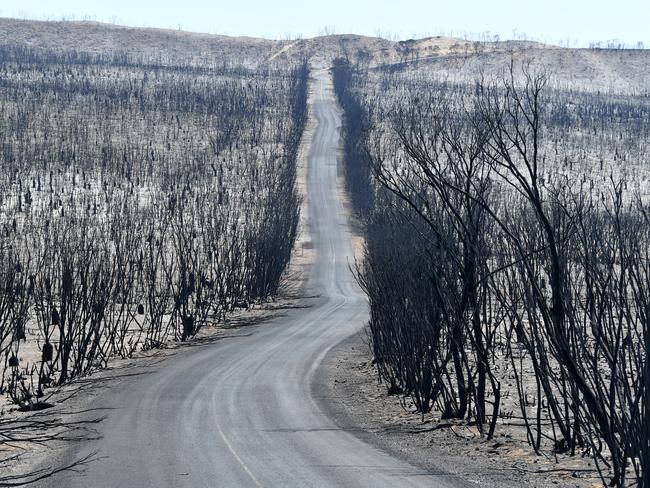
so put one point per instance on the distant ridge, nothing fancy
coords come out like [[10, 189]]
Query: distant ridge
[[596, 69]]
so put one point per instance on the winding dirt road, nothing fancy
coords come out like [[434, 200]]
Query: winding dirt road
[[242, 411]]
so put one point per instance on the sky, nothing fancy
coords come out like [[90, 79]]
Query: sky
[[570, 22]]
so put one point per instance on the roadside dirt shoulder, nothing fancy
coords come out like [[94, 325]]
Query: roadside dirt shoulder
[[348, 390]]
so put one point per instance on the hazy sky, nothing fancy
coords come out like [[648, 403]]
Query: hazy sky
[[548, 20]]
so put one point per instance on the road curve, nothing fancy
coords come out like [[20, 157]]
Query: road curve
[[240, 412]]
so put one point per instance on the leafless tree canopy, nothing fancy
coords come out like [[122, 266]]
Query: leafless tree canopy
[[140, 200], [499, 242]]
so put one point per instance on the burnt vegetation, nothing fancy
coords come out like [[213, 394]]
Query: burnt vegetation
[[146, 196], [507, 254], [141, 200]]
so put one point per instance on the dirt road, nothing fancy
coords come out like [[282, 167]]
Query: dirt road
[[242, 411]]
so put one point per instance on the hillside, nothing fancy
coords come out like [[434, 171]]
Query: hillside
[[94, 37], [594, 69]]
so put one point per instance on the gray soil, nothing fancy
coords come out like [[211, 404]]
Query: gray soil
[[348, 390]]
